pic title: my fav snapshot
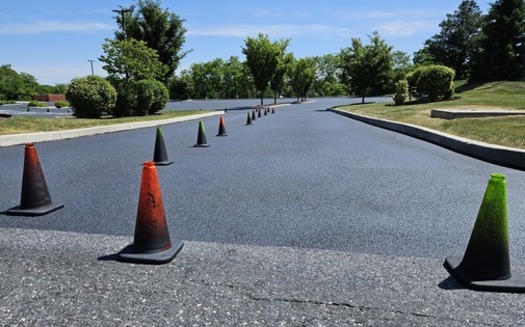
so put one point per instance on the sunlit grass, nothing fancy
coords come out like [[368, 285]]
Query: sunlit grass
[[21, 124], [508, 131]]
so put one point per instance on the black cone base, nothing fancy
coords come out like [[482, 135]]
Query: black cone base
[[204, 145], [128, 254], [162, 163], [36, 211], [514, 284], [222, 134]]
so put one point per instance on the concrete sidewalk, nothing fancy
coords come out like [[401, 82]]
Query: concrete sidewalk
[[54, 278]]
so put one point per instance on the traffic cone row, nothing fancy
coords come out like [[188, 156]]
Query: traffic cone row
[[485, 264], [257, 113]]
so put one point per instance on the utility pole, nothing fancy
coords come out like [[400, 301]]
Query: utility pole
[[92, 71], [122, 12]]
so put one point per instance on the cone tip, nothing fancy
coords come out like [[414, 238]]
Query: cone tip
[[498, 177]]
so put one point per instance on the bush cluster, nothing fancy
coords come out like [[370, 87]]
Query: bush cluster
[[433, 81], [35, 103], [94, 96], [140, 98], [61, 104], [91, 97]]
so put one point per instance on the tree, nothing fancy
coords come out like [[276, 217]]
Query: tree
[[454, 44], [131, 59], [283, 60], [367, 66], [16, 86], [500, 54], [328, 76], [160, 29], [302, 74], [262, 58]]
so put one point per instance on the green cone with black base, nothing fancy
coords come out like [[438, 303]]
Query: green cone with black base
[[160, 156], [201, 137], [485, 265]]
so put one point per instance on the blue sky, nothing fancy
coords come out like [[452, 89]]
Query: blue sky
[[54, 39]]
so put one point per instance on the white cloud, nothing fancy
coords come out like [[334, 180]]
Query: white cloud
[[405, 28], [45, 27], [271, 30]]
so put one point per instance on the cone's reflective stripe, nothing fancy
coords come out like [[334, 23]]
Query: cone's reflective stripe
[[151, 230]]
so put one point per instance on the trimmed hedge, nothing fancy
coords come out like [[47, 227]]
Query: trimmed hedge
[[91, 97], [433, 81]]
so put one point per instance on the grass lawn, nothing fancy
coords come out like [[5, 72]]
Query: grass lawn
[[508, 131], [20, 124]]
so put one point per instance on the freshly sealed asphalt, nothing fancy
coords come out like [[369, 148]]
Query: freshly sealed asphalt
[[306, 218]]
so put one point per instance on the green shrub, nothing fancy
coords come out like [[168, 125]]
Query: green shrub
[[436, 81], [160, 97], [91, 96], [35, 103], [139, 98], [401, 92], [61, 104], [126, 99]]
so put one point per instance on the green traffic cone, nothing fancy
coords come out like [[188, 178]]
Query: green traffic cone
[[201, 137], [486, 264]]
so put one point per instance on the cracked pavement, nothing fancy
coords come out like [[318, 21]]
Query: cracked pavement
[[68, 279]]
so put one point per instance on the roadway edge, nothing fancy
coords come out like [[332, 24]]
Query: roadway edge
[[496, 154], [17, 139]]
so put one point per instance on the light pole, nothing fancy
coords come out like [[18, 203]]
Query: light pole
[[92, 61], [122, 12]]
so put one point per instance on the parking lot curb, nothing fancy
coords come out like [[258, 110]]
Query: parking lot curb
[[496, 154], [17, 139]]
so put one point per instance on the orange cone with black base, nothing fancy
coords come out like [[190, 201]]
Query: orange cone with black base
[[259, 113], [222, 128], [160, 157], [35, 199], [201, 137], [265, 111], [151, 243], [253, 114], [486, 265], [273, 110]]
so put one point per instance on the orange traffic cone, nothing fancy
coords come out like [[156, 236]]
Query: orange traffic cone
[[259, 113], [152, 243], [273, 110], [265, 111], [253, 115], [35, 199], [486, 264], [160, 157], [201, 137], [222, 128]]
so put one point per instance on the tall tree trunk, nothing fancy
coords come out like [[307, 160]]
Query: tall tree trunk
[[363, 99]]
